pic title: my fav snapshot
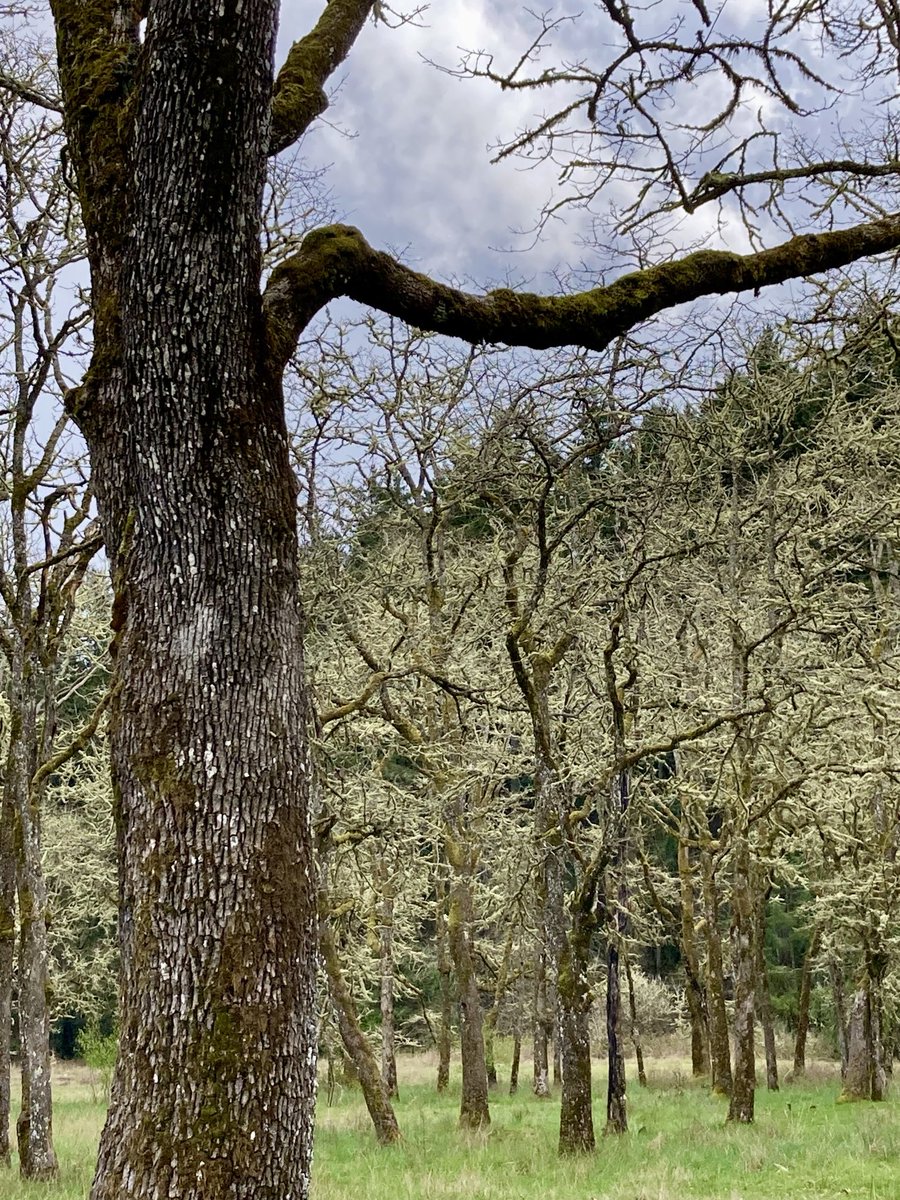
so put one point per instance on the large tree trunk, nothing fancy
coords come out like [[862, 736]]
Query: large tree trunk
[[356, 1044], [514, 1065], [616, 1111], [803, 1003], [474, 1112], [34, 1127], [719, 1050], [213, 1089], [696, 1001], [744, 1079], [7, 964]]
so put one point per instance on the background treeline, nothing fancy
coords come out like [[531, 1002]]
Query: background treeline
[[604, 654]]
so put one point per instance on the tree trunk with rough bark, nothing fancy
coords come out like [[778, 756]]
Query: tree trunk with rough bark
[[183, 413], [7, 965], [356, 1044], [474, 1112], [806, 975], [719, 1050], [576, 1122], [694, 995], [744, 1077]]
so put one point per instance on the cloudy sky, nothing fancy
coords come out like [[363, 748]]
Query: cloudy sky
[[408, 145]]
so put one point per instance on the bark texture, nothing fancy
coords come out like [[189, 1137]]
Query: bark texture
[[213, 1090]]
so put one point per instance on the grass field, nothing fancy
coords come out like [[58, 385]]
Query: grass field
[[803, 1146]]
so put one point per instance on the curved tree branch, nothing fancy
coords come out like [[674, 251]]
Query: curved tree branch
[[299, 95], [338, 261]]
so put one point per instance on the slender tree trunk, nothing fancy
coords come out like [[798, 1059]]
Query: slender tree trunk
[[616, 1111], [7, 964], [840, 1015], [356, 1044], [514, 1066], [184, 418], [501, 985], [719, 1050], [763, 995], [540, 1026], [386, 952], [576, 1122], [744, 1079], [634, 1027], [474, 1112], [806, 975], [696, 1000], [876, 969], [444, 974], [34, 1128]]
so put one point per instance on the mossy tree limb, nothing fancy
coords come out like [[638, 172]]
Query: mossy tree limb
[[338, 261], [299, 95]]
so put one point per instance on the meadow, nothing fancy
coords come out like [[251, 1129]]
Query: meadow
[[803, 1146]]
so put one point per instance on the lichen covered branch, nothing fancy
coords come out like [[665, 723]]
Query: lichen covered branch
[[299, 95], [338, 261]]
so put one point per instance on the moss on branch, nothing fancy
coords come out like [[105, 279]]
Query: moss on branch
[[299, 95], [338, 261]]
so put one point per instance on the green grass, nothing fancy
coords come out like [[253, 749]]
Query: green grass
[[804, 1146]]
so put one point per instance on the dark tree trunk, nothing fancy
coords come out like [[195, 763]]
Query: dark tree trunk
[[7, 963], [474, 1112], [356, 1044], [763, 995], [616, 1111], [634, 1027], [696, 1000], [812, 951], [719, 1050], [213, 1089], [444, 969], [744, 1080], [514, 1066]]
